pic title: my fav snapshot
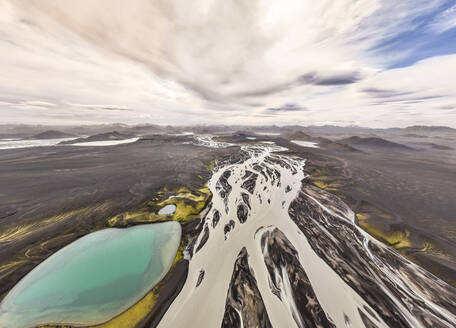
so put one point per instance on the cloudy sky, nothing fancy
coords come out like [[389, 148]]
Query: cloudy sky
[[377, 63]]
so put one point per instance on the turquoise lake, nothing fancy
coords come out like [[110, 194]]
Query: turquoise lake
[[94, 278]]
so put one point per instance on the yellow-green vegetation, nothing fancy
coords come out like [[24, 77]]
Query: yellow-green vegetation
[[189, 203], [211, 165], [8, 268], [321, 179], [399, 239], [326, 186], [135, 314], [180, 253], [220, 139], [368, 214], [367, 210], [37, 251], [48, 244], [426, 247], [298, 135], [21, 231]]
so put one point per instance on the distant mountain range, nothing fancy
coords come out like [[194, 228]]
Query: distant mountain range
[[417, 129], [28, 131], [422, 128]]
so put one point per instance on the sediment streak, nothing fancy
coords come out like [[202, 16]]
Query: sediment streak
[[275, 251]]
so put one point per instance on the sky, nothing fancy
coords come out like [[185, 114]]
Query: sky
[[375, 63]]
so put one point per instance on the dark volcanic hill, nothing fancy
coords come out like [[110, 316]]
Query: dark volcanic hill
[[434, 145], [101, 137], [51, 134], [374, 144], [299, 135], [413, 135], [322, 142]]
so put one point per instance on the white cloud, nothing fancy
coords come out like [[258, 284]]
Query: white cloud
[[178, 61], [445, 21]]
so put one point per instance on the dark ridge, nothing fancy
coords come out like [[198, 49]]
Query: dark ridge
[[8, 214], [200, 278], [281, 254], [228, 227], [168, 289], [246, 200], [101, 137], [51, 134], [244, 298], [203, 239], [223, 187], [299, 135], [215, 218], [242, 213], [434, 145], [374, 143], [414, 135], [249, 181]]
